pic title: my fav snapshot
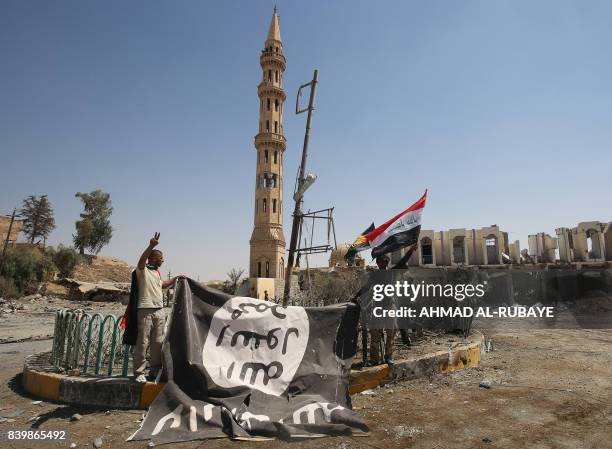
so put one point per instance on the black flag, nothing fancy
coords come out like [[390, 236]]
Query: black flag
[[244, 368]]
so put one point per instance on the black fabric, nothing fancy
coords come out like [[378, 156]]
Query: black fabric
[[130, 317], [244, 368], [397, 241]]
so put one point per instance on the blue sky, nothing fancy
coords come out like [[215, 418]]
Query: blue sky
[[501, 109]]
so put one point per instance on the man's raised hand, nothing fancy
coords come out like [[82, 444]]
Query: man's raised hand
[[154, 241]]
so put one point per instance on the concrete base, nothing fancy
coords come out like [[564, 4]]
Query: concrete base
[[122, 392], [463, 356]]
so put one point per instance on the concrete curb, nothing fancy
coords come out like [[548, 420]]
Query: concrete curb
[[460, 357], [122, 392]]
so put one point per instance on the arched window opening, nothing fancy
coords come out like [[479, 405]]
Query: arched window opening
[[268, 104], [593, 244], [275, 126], [458, 250], [426, 251], [267, 180], [276, 105], [267, 269], [267, 126], [265, 205], [258, 269], [274, 206], [266, 156], [275, 157]]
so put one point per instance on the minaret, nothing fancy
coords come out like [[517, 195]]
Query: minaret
[[267, 257]]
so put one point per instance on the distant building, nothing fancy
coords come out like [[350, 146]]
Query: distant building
[[588, 242], [5, 223], [457, 247], [337, 259]]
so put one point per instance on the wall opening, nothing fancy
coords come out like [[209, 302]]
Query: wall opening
[[426, 251], [608, 242], [459, 249], [492, 251], [593, 244]]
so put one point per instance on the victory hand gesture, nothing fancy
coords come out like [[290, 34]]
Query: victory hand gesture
[[154, 241]]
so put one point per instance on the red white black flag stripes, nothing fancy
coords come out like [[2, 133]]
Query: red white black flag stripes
[[399, 232]]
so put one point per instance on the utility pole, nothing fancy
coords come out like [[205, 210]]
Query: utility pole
[[6, 240], [299, 199]]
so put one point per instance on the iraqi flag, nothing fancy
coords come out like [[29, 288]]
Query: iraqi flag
[[399, 232]]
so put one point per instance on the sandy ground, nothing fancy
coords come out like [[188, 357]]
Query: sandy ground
[[34, 319], [549, 389]]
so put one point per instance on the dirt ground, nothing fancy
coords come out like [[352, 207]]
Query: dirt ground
[[103, 268], [549, 389], [34, 319]]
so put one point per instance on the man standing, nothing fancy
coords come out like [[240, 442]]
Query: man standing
[[376, 334], [150, 305]]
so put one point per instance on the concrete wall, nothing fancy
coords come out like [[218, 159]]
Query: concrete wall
[[589, 241], [542, 247], [259, 287], [460, 246]]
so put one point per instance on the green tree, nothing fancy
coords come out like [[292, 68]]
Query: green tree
[[93, 230], [65, 259], [233, 280], [26, 267], [38, 217]]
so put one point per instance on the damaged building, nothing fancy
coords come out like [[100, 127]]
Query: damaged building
[[459, 247], [15, 229], [589, 241]]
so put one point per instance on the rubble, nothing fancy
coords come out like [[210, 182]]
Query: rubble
[[99, 291], [485, 383], [406, 431], [31, 298], [103, 269]]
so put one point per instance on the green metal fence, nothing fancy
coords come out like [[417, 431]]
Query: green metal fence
[[89, 343]]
